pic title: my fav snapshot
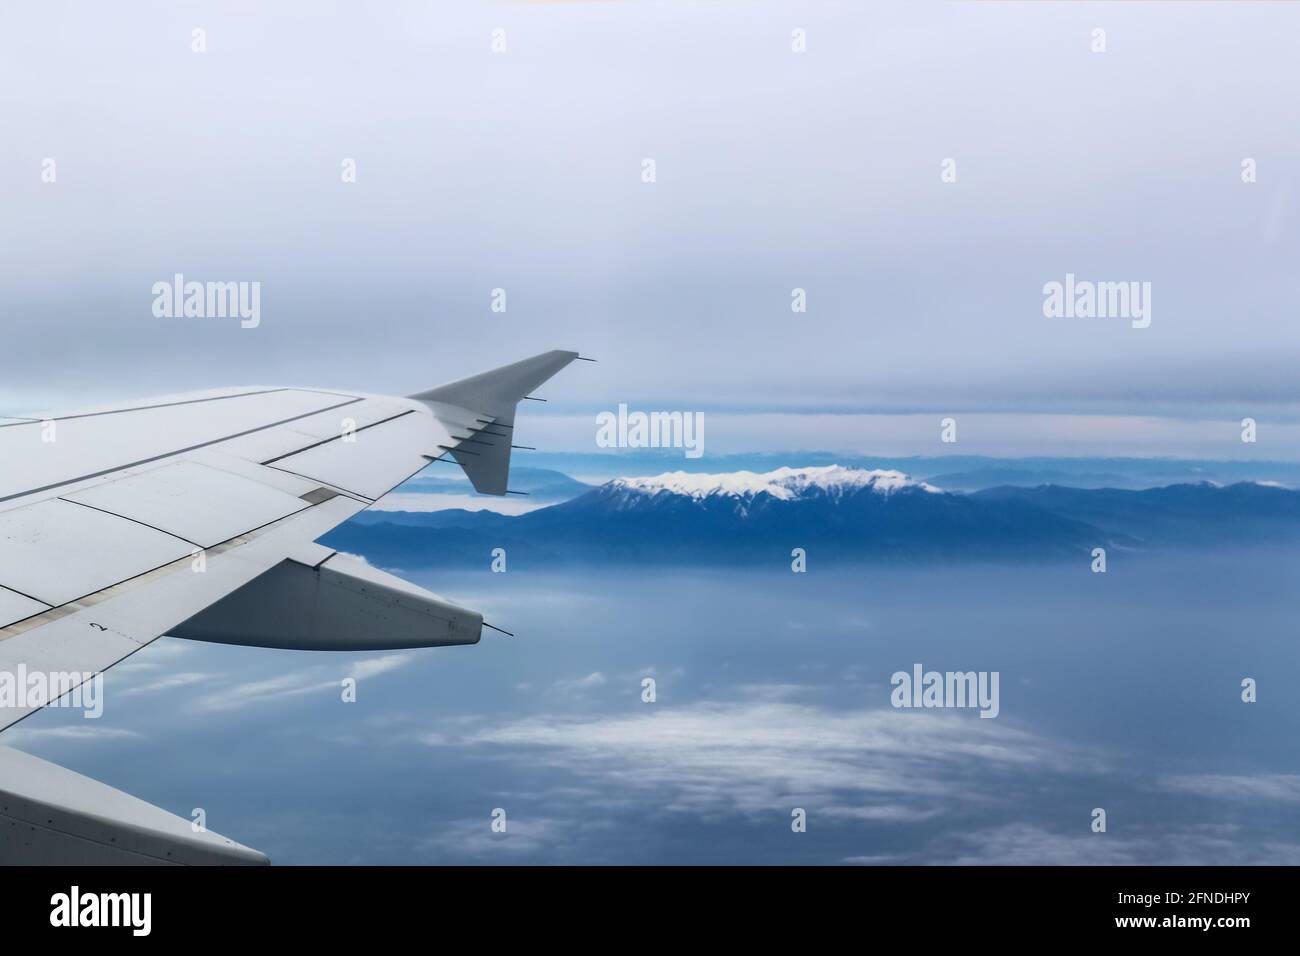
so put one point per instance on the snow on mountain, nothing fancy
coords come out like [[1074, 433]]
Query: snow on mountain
[[783, 484]]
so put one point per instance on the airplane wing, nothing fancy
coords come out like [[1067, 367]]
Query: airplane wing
[[197, 515]]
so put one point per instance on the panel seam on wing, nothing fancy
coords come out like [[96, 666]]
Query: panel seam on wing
[[173, 454], [98, 597]]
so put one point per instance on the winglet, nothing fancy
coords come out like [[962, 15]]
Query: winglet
[[492, 395]]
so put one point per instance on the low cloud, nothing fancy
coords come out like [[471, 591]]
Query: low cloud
[[1029, 845], [1281, 787], [296, 683], [165, 684], [579, 685], [473, 839], [767, 753], [87, 732]]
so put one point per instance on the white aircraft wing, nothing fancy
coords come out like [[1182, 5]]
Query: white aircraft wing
[[196, 515]]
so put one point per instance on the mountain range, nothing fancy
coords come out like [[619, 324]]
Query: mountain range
[[834, 512]]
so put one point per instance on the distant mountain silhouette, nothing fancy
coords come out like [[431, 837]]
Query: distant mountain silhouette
[[1177, 515]]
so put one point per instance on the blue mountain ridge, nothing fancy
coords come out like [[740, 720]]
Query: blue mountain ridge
[[849, 516]]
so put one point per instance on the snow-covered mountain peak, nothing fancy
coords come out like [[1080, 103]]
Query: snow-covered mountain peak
[[783, 484]]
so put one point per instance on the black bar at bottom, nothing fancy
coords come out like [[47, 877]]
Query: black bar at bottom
[[974, 905]]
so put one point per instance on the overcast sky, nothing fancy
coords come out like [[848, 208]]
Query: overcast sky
[[522, 170]]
